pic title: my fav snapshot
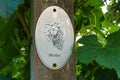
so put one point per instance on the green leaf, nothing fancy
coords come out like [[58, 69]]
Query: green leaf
[[78, 12], [8, 48], [107, 56], [92, 2], [105, 74], [78, 69], [14, 44], [113, 28], [109, 26], [86, 53], [2, 22], [8, 68], [7, 53], [5, 77]]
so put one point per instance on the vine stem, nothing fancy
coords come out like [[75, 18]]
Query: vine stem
[[23, 22], [96, 7], [94, 18], [93, 25], [94, 70]]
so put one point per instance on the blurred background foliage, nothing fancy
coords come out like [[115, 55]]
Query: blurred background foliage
[[97, 30], [14, 40], [97, 44]]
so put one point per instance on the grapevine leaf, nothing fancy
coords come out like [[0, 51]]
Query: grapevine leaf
[[86, 53], [7, 7], [107, 56]]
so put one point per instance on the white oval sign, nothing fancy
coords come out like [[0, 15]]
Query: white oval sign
[[54, 37]]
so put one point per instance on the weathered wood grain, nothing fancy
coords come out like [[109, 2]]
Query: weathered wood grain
[[38, 70]]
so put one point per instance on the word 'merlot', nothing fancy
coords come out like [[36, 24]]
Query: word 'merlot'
[[54, 55]]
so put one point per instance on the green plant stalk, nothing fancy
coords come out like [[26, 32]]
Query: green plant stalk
[[94, 70], [23, 22], [93, 25], [96, 7], [94, 20]]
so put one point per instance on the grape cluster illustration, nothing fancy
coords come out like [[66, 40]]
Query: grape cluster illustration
[[54, 34]]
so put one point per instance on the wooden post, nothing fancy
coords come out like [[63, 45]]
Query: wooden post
[[38, 70]]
